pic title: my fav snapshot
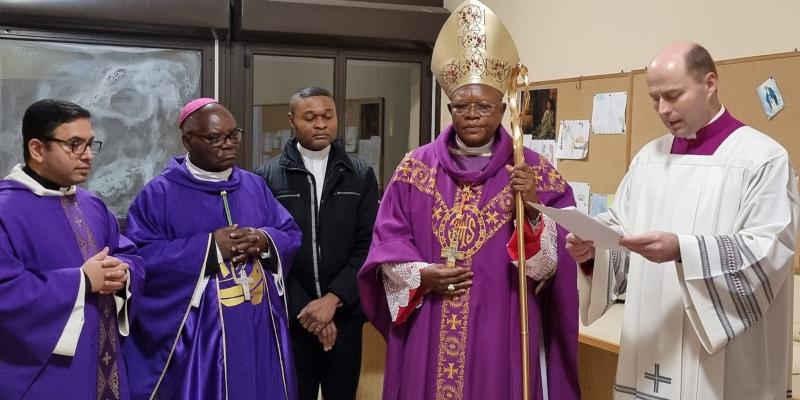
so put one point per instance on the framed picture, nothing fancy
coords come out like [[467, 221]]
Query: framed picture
[[539, 119]]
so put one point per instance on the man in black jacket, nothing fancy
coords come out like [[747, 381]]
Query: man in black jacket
[[334, 199]]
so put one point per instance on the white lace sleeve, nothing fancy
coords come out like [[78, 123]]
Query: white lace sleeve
[[542, 265], [399, 279]]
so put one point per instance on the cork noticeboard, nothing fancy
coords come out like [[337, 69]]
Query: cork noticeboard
[[607, 161]]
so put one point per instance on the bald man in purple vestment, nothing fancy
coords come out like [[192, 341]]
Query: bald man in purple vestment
[[215, 244], [67, 277], [440, 281]]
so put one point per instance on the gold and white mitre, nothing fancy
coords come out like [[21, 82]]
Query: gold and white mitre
[[473, 47]]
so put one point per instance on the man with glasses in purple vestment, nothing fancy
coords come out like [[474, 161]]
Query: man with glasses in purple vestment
[[439, 281], [215, 244], [66, 274]]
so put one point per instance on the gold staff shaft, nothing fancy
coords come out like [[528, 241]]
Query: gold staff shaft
[[520, 71]]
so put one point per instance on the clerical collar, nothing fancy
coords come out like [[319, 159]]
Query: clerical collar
[[708, 138], [316, 163], [46, 183], [38, 184], [207, 176], [314, 154], [463, 149], [700, 131]]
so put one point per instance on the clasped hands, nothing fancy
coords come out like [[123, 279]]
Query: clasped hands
[[237, 244], [656, 246], [317, 318], [106, 274]]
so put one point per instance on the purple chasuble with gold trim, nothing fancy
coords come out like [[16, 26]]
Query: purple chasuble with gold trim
[[468, 347], [219, 344], [44, 241]]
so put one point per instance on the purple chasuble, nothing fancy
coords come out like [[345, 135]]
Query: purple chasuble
[[44, 241], [224, 346], [107, 366], [468, 347], [708, 138]]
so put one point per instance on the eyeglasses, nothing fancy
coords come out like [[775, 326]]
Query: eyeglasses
[[77, 146], [235, 136], [482, 108]]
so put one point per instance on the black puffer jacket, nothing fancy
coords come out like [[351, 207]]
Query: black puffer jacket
[[337, 238]]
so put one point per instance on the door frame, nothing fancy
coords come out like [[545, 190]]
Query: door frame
[[241, 73]]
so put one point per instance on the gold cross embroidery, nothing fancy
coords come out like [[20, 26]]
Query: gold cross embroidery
[[453, 322], [106, 358], [450, 370]]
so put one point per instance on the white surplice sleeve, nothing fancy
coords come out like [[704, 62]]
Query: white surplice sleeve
[[402, 284], [729, 281], [68, 341], [608, 281]]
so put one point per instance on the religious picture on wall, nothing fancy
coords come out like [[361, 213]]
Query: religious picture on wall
[[539, 119], [133, 93], [770, 97]]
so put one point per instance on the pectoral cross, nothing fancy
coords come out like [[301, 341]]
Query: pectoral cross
[[451, 253], [244, 280]]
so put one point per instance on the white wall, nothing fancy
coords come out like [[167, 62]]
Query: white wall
[[568, 38]]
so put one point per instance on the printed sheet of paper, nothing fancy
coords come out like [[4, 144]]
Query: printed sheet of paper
[[598, 203], [573, 139], [266, 142], [580, 190], [365, 152], [545, 148], [582, 225], [376, 156], [608, 113], [351, 139]]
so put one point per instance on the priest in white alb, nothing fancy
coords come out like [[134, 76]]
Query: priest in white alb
[[709, 215]]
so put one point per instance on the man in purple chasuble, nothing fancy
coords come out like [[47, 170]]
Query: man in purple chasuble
[[215, 244], [65, 288], [440, 282]]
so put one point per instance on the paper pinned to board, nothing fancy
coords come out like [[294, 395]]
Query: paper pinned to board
[[583, 226]]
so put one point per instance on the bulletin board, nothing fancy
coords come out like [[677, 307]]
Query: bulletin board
[[607, 161]]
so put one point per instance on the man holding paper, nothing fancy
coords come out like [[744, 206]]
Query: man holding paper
[[439, 282], [709, 216]]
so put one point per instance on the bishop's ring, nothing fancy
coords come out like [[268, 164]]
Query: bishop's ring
[[451, 288]]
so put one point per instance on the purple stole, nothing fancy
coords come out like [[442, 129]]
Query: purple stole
[[107, 370]]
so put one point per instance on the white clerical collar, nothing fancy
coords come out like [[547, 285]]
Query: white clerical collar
[[317, 155], [207, 176], [316, 163], [463, 149], [716, 117], [18, 175]]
